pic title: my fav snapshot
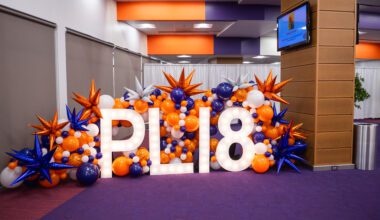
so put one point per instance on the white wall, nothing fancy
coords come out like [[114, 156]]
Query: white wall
[[268, 46]]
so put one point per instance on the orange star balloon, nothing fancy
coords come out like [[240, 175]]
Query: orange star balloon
[[183, 83], [91, 104], [49, 128], [270, 89]]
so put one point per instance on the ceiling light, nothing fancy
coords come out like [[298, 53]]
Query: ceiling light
[[362, 32], [184, 61], [259, 57], [147, 26], [276, 63], [203, 25], [184, 56], [303, 28], [247, 62]]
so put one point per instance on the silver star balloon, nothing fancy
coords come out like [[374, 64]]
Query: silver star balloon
[[239, 83], [140, 93]]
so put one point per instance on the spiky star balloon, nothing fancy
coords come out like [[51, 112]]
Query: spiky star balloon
[[91, 104], [183, 83], [278, 118], [270, 89], [284, 153], [49, 128], [75, 120], [294, 133], [36, 163], [140, 93], [240, 83]]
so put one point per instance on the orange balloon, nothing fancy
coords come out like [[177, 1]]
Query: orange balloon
[[57, 156], [265, 113], [140, 106], [282, 128], [157, 103], [191, 123], [214, 120], [291, 141], [118, 104], [272, 132], [191, 147], [260, 164], [126, 124], [197, 104], [142, 153], [167, 106], [54, 181], [213, 144], [120, 166], [241, 95], [12, 165], [115, 123], [164, 158], [83, 139], [70, 143], [189, 158], [75, 159], [172, 118], [162, 131]]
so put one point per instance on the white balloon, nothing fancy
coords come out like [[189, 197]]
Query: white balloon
[[260, 148], [73, 174], [106, 101], [175, 161], [145, 169], [93, 130], [8, 175], [255, 98], [115, 131], [177, 134], [215, 165]]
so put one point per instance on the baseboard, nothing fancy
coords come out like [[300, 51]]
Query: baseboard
[[333, 167]]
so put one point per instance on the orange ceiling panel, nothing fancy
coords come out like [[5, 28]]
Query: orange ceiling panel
[[181, 44], [368, 51]]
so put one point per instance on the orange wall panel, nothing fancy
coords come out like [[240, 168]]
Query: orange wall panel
[[368, 51], [161, 11], [180, 44]]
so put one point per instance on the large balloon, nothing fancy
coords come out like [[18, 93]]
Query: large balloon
[[120, 166], [8, 175], [255, 98], [260, 164], [167, 106], [135, 170], [191, 123], [217, 105], [177, 95], [87, 174], [106, 101], [224, 90], [265, 113]]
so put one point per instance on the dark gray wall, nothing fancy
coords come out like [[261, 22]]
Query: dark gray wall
[[27, 83]]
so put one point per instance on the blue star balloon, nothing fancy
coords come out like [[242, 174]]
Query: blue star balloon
[[283, 152], [279, 117], [75, 119], [36, 162]]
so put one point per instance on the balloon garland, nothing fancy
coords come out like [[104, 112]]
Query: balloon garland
[[71, 148]]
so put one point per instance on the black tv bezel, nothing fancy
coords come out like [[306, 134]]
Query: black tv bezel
[[308, 27]]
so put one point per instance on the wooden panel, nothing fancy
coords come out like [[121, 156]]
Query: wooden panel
[[299, 73], [300, 105], [334, 139], [333, 156], [338, 20], [299, 89], [327, 123], [335, 37], [336, 55], [337, 5], [336, 71], [342, 89], [307, 120], [288, 4], [298, 58], [335, 106], [308, 155]]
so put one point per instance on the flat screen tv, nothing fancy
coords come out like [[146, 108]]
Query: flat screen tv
[[293, 27]]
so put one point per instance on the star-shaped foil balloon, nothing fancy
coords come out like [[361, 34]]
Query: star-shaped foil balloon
[[240, 83], [284, 152], [270, 89], [75, 120], [140, 93], [183, 83], [91, 104], [37, 163], [49, 128], [278, 118]]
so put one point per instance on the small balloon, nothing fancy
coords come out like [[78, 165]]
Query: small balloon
[[135, 170], [177, 95]]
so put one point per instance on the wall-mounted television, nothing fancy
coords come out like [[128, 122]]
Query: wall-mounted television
[[294, 27]]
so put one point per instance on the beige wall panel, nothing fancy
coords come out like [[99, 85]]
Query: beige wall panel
[[336, 55], [338, 20], [298, 58], [328, 123], [333, 156], [299, 73], [333, 89], [299, 89], [337, 5], [336, 71], [307, 120], [335, 37], [335, 106], [300, 105], [334, 139]]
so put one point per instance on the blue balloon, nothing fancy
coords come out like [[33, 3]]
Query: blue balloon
[[213, 130], [45, 141], [190, 103], [217, 105], [135, 170], [190, 135], [258, 137], [87, 174], [224, 90], [177, 95]]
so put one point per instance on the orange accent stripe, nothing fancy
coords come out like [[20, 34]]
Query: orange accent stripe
[[181, 44], [162, 11], [367, 51]]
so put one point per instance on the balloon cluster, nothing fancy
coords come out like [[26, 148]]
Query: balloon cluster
[[135, 164]]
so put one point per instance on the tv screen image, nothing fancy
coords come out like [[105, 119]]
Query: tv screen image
[[293, 28]]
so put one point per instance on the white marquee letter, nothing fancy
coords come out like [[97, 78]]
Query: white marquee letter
[[204, 140]]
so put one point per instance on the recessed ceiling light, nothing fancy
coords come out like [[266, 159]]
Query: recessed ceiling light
[[247, 62], [260, 57], [362, 32], [303, 28], [203, 25], [276, 63], [184, 61], [184, 56], [147, 26]]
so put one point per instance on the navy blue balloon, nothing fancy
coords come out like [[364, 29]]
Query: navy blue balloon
[[135, 170], [87, 174], [217, 105], [190, 135], [177, 95], [45, 141], [190, 103], [258, 137], [224, 90], [163, 145], [213, 130]]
